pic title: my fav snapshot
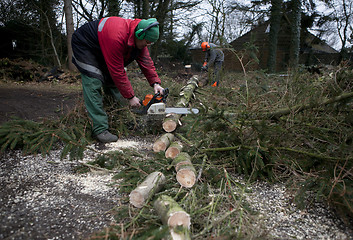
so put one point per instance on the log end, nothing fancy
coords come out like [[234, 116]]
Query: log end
[[180, 218], [172, 153], [169, 126], [186, 178], [159, 146], [136, 199]]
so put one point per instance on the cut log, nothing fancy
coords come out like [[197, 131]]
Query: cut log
[[163, 142], [174, 149], [180, 234], [152, 184], [171, 213], [171, 122], [186, 173], [188, 91]]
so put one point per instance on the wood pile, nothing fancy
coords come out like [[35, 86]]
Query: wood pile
[[169, 211], [28, 71]]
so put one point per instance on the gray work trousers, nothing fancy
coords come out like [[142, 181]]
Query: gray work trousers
[[217, 72]]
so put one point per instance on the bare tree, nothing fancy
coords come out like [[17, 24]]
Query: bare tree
[[69, 32], [343, 16], [90, 10], [336, 23], [245, 17], [162, 11], [216, 25], [47, 26]]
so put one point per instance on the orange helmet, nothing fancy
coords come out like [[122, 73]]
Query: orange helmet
[[205, 46]]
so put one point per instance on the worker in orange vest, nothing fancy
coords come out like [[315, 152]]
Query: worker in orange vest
[[214, 56]]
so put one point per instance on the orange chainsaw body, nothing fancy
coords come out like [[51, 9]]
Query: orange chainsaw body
[[149, 97]]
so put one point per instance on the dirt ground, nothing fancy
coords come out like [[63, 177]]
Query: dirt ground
[[37, 101]]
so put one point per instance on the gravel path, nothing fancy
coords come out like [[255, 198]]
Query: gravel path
[[43, 198], [283, 220]]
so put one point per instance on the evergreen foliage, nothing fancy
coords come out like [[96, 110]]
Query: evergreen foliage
[[71, 131], [177, 50], [309, 149]]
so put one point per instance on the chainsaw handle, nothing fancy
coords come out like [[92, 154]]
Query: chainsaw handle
[[149, 100], [164, 96]]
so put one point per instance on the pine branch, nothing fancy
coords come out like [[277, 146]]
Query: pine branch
[[238, 147], [301, 107]]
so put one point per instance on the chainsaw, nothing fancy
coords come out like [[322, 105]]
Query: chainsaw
[[156, 104]]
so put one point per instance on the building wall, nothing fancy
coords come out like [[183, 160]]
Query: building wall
[[320, 58]]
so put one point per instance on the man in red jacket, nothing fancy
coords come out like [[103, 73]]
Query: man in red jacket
[[101, 50]]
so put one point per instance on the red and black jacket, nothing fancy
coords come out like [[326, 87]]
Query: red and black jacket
[[102, 48]]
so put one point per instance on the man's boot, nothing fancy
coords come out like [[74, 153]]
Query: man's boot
[[106, 137]]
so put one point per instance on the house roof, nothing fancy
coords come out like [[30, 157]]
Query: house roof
[[318, 44], [309, 42]]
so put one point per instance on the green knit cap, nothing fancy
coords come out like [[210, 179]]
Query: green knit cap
[[152, 34]]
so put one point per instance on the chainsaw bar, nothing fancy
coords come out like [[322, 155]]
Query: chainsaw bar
[[153, 105], [181, 110], [160, 108]]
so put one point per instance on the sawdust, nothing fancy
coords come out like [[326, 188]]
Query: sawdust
[[45, 198], [123, 144]]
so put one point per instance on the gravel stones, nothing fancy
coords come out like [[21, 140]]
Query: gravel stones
[[283, 220], [43, 198]]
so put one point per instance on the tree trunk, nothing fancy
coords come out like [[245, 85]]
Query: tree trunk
[[137, 9], [174, 149], [114, 7], [171, 213], [272, 39], [161, 14], [186, 173], [171, 122], [295, 30], [152, 184], [145, 9], [163, 142], [48, 30], [69, 32], [52, 42]]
